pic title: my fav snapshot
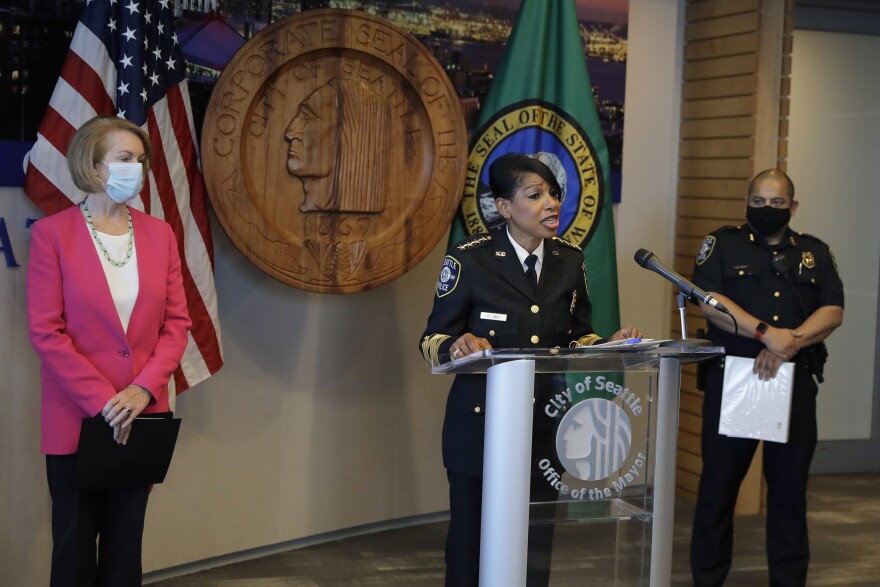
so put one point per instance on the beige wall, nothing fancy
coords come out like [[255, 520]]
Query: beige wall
[[834, 139], [324, 417], [645, 218]]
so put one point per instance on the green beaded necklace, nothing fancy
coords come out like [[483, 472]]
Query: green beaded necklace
[[115, 263]]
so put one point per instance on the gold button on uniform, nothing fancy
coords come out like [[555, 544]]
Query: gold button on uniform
[[775, 294], [776, 318], [535, 339], [477, 410], [491, 333], [535, 309], [741, 272]]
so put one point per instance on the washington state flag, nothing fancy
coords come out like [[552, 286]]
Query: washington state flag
[[541, 104]]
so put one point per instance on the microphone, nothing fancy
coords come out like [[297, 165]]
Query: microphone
[[649, 260]]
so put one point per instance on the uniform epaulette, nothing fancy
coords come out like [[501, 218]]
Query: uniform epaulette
[[731, 227], [811, 237], [565, 243], [475, 242]]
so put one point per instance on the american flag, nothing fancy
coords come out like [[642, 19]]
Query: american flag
[[124, 59]]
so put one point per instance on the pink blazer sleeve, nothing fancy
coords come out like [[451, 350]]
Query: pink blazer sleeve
[[165, 355], [79, 378]]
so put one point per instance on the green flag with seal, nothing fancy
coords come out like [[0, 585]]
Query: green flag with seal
[[541, 103]]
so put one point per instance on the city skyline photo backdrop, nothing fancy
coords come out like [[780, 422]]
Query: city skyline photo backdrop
[[467, 38]]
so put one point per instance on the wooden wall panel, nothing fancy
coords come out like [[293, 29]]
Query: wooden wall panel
[[720, 67], [723, 87], [698, 227], [734, 123], [721, 46], [718, 107], [716, 148], [746, 22], [716, 8], [722, 188], [707, 208], [718, 128], [714, 168]]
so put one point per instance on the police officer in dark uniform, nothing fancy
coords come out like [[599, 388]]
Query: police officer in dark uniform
[[517, 287], [784, 291]]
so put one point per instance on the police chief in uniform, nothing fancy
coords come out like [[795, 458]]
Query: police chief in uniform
[[784, 291], [517, 287]]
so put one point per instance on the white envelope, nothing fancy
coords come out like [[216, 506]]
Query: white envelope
[[751, 408]]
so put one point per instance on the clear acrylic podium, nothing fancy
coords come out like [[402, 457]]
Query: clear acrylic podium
[[611, 456]]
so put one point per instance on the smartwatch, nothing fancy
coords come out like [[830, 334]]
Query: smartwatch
[[761, 330]]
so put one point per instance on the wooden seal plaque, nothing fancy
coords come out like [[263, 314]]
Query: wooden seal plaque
[[334, 150]]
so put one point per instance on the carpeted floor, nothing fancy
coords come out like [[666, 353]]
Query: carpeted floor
[[844, 536]]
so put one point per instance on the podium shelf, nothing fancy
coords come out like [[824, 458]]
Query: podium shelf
[[558, 360], [605, 510]]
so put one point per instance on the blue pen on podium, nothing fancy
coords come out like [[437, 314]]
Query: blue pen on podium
[[633, 340]]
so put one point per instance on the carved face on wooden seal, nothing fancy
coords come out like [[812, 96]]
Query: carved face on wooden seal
[[339, 142], [334, 150]]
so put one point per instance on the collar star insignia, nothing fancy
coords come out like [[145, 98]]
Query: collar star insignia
[[474, 242]]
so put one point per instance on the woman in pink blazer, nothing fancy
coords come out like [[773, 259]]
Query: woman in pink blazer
[[108, 318]]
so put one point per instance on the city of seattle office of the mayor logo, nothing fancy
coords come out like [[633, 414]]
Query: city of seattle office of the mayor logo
[[544, 131], [600, 440]]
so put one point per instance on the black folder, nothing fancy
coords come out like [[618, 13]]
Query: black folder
[[102, 463]]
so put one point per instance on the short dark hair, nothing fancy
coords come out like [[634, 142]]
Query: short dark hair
[[506, 173], [775, 174]]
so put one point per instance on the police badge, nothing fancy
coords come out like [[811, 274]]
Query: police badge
[[808, 260]]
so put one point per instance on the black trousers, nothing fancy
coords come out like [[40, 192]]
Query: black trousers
[[463, 537], [786, 468], [113, 518]]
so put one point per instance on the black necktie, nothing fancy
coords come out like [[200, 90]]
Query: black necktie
[[531, 274]]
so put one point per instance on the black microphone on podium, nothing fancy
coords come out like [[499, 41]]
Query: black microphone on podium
[[649, 260]]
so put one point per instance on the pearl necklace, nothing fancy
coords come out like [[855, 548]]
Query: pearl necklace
[[115, 263]]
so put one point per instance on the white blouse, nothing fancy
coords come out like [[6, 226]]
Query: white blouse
[[123, 281]]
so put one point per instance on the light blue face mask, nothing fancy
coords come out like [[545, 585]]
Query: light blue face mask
[[124, 182]]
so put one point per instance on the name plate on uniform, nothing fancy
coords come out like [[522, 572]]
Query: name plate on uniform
[[493, 316]]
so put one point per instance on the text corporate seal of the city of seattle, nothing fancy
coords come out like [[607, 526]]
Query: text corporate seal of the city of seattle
[[334, 151], [546, 132]]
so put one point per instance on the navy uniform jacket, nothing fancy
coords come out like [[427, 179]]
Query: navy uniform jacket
[[482, 289], [737, 262]]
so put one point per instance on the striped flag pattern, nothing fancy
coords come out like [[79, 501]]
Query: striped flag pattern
[[124, 59]]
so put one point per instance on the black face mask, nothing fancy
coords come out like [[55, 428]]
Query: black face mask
[[767, 220]]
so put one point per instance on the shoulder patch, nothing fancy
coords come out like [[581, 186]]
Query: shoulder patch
[[474, 242], [449, 275], [565, 243], [706, 249]]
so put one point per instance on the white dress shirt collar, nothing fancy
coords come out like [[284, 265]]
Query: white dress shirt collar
[[521, 254]]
